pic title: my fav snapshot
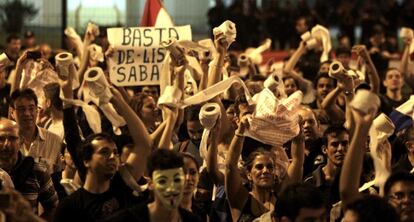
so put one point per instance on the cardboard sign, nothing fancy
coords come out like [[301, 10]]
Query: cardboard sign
[[138, 55]]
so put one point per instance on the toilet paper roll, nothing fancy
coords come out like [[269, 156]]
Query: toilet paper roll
[[243, 63], [408, 33], [311, 43], [170, 97], [305, 36], [364, 100], [92, 29], [209, 114], [63, 60], [321, 34], [98, 85], [384, 127], [228, 29], [271, 81], [336, 70], [4, 60]]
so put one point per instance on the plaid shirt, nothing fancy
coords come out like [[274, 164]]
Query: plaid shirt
[[37, 186]]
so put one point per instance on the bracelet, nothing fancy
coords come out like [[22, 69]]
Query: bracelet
[[239, 135]]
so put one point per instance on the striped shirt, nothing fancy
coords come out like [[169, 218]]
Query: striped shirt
[[45, 148], [34, 183]]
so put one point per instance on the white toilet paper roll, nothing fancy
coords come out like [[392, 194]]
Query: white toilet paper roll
[[63, 60], [208, 116], [98, 85], [175, 52], [364, 100], [336, 70], [384, 127], [305, 36], [271, 81], [4, 60], [311, 43], [228, 29], [170, 97], [408, 33]]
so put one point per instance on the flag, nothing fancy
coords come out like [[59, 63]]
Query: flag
[[155, 15], [402, 117]]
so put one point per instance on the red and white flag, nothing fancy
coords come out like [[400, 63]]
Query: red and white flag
[[155, 15]]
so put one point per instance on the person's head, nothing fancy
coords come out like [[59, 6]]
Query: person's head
[[29, 39], [399, 189], [343, 55], [45, 50], [52, 99], [165, 168], [310, 124], [151, 91], [231, 115], [302, 24], [370, 208], [194, 127], [145, 107], [23, 104], [301, 203], [394, 80], [324, 66], [242, 107], [100, 156], [191, 172], [261, 169], [291, 85], [13, 44], [408, 139], [377, 35], [9, 143], [335, 144], [344, 41], [324, 84]]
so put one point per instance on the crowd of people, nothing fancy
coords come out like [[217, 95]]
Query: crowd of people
[[57, 165], [282, 20]]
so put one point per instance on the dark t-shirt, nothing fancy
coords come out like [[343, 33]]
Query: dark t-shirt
[[140, 213], [4, 100], [388, 104], [85, 206]]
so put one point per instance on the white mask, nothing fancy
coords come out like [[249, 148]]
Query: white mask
[[169, 186]]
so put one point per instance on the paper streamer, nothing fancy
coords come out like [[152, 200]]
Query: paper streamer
[[321, 34], [364, 100], [69, 185], [92, 29], [408, 33], [209, 114], [228, 29], [175, 52], [71, 33], [130, 181], [170, 97], [4, 60], [382, 128], [215, 90], [95, 53], [91, 114]]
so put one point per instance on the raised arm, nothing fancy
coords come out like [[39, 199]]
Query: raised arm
[[405, 60], [212, 164], [21, 62], [137, 160], [352, 167], [293, 60], [362, 51], [165, 140], [236, 192]]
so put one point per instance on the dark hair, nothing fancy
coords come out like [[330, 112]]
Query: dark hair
[[190, 156], [12, 37], [192, 112], [87, 147], [26, 93], [334, 129], [372, 208], [290, 77], [52, 91], [240, 99], [343, 50], [390, 69], [323, 75], [137, 102], [400, 176], [296, 197], [248, 164], [163, 159]]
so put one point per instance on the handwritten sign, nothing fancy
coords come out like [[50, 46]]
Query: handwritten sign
[[138, 55]]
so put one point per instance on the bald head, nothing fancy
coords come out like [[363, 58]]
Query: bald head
[[9, 146]]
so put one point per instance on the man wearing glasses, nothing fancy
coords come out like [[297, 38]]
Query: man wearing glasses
[[399, 189], [35, 141]]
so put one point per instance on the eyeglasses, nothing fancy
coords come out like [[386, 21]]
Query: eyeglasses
[[399, 196]]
